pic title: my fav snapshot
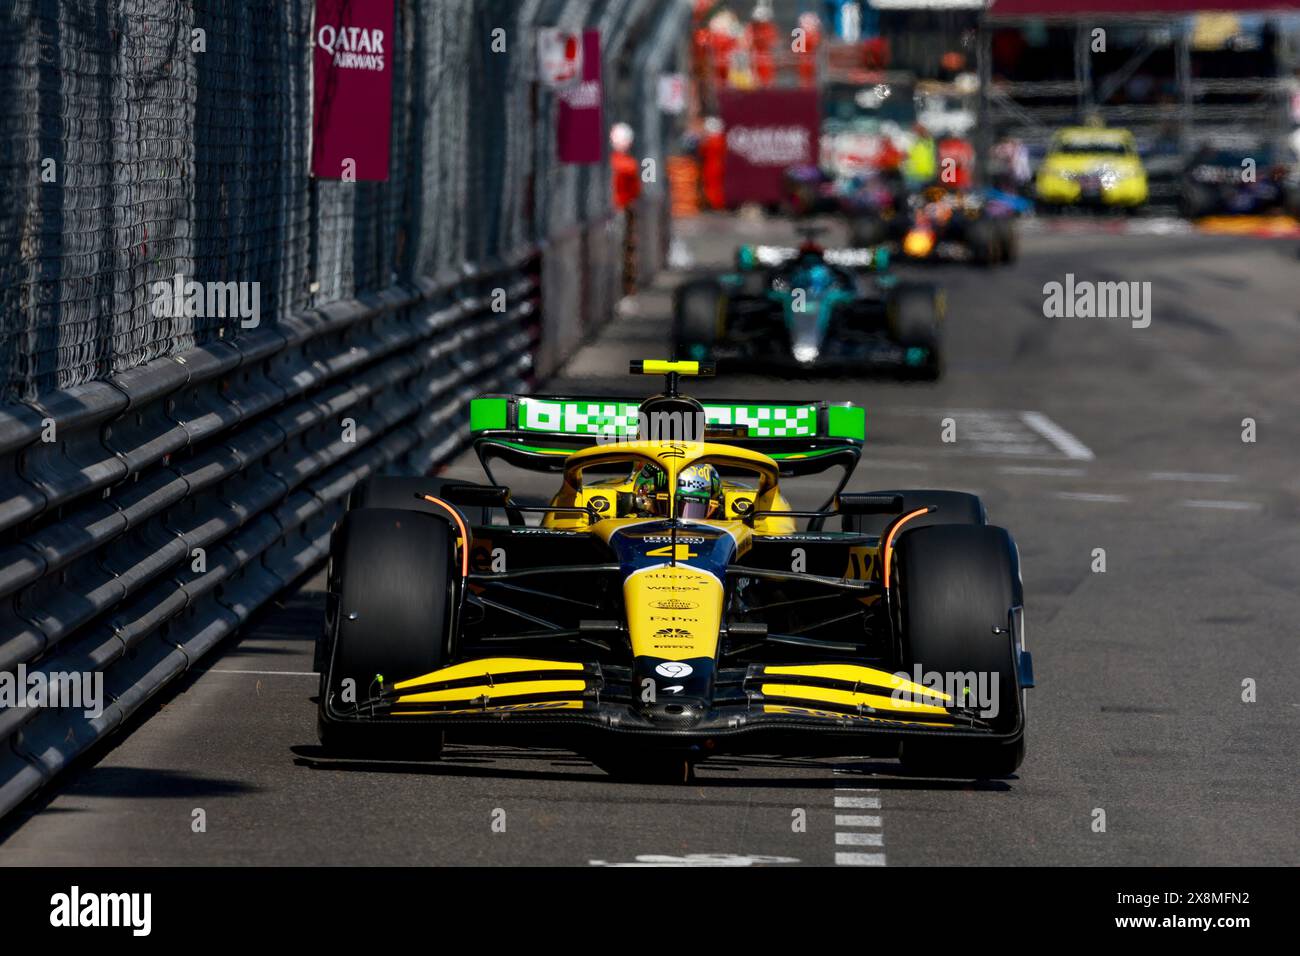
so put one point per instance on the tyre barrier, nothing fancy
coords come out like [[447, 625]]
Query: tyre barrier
[[145, 518]]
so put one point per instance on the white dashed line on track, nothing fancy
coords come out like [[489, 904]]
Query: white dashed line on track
[[854, 820], [1062, 440], [1189, 476], [858, 830], [1095, 498], [857, 803], [1222, 505], [1043, 470]]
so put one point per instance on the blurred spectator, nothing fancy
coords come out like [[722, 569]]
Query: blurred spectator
[[811, 25], [713, 162], [922, 162], [626, 170], [1009, 167], [762, 43], [958, 156], [725, 33]]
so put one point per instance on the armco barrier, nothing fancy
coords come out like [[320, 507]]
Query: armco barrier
[[177, 498]]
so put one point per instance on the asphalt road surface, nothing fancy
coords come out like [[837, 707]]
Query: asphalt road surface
[[1081, 434]]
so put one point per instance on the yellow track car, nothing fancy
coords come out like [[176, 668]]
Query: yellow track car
[[669, 603], [1090, 166]]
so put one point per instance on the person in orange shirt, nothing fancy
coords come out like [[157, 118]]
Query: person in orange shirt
[[713, 163], [811, 25], [626, 170], [762, 41]]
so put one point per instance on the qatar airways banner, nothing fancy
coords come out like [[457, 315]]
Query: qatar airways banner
[[768, 131], [353, 95], [580, 124]]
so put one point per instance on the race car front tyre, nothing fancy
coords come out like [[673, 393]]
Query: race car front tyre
[[952, 507], [916, 320], [407, 494], [954, 586], [697, 309], [391, 595]]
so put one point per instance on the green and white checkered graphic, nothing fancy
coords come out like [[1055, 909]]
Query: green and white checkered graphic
[[620, 418], [578, 418], [767, 421]]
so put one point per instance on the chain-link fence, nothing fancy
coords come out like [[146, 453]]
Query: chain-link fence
[[164, 476], [148, 138]]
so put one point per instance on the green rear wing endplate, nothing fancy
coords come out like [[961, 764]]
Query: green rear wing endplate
[[539, 432]]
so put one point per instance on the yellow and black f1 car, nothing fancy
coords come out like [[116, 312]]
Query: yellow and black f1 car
[[669, 603]]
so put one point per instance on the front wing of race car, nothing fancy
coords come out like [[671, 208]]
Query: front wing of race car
[[803, 708]]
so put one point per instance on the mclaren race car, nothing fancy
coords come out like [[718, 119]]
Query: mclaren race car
[[840, 310], [669, 604]]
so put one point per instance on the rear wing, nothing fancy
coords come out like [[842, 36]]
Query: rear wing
[[539, 432], [872, 257]]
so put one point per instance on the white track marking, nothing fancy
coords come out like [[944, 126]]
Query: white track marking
[[859, 838], [1042, 470], [851, 820], [857, 803], [699, 859], [859, 859], [858, 830], [1064, 442], [1004, 433], [223, 670], [1096, 498], [1189, 476], [1222, 505]]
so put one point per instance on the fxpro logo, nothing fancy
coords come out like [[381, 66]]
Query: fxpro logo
[[972, 689], [1082, 299], [94, 910], [353, 48], [210, 300]]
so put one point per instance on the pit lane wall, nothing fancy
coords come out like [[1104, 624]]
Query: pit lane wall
[[161, 479]]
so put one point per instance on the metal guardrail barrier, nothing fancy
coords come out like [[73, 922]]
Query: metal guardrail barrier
[[162, 479], [178, 498]]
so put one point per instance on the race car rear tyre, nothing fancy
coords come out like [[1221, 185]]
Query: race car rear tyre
[[391, 594], [983, 240], [954, 586], [866, 231], [1008, 242], [916, 316], [697, 308], [954, 507]]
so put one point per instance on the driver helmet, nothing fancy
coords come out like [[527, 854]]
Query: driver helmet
[[699, 492], [650, 492]]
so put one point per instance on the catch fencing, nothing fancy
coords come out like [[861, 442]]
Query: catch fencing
[[163, 478]]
